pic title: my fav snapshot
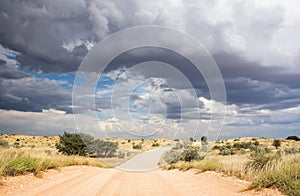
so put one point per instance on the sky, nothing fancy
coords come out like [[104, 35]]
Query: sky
[[151, 91]]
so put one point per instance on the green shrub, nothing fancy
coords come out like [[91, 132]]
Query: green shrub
[[71, 144], [260, 161], [262, 149], [171, 156], [277, 180], [226, 151], [190, 153], [20, 165], [209, 165]]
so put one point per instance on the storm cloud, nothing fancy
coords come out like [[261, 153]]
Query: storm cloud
[[254, 43]]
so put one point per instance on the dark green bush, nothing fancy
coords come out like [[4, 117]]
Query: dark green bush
[[155, 144], [20, 165], [293, 138], [72, 144]]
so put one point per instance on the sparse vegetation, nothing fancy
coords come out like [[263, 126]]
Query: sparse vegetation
[[253, 159], [285, 177], [20, 161], [137, 146]]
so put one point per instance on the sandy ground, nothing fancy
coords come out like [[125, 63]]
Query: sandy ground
[[85, 180]]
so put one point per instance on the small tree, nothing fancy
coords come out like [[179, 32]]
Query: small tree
[[190, 153], [203, 140], [276, 143], [71, 144]]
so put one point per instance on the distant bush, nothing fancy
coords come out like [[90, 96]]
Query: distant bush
[[276, 143], [3, 143], [203, 140], [178, 146], [292, 150], [121, 155], [225, 151], [155, 144], [137, 146], [293, 138], [104, 148], [262, 149], [17, 145]]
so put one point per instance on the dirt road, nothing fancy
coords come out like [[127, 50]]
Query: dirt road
[[84, 180]]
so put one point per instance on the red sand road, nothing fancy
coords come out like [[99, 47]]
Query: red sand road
[[85, 180]]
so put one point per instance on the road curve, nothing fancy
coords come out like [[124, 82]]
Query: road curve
[[145, 161]]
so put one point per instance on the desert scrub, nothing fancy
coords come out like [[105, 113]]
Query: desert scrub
[[260, 162], [21, 165], [208, 165], [20, 161], [285, 177], [203, 165]]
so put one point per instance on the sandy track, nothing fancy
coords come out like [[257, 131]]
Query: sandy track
[[84, 180]]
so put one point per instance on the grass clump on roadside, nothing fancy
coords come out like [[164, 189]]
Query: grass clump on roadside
[[203, 165], [21, 161], [21, 165], [285, 177]]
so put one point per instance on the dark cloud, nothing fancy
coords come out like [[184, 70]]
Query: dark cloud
[[9, 72], [31, 94], [38, 30], [234, 66]]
